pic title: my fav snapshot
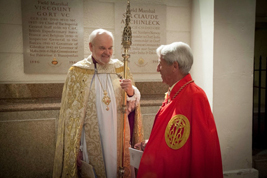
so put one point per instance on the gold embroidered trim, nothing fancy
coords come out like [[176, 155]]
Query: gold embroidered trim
[[119, 70], [84, 71], [177, 131]]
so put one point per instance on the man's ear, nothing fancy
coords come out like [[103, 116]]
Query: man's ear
[[91, 47], [176, 65]]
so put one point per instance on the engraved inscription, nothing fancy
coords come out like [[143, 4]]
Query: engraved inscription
[[51, 34], [148, 24]]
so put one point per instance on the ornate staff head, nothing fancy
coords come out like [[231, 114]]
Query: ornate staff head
[[127, 32]]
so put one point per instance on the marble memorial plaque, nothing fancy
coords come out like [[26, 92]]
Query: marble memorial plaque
[[148, 24], [52, 35]]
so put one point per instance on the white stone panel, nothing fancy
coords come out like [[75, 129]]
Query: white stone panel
[[234, 26], [11, 38], [10, 12], [174, 36], [180, 3], [234, 141], [167, 2], [98, 14], [11, 67], [178, 18], [86, 33], [238, 43], [12, 71], [136, 1]]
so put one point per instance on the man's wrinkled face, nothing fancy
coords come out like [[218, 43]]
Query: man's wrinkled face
[[102, 48], [166, 71]]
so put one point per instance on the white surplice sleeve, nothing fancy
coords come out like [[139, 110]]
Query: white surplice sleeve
[[133, 101]]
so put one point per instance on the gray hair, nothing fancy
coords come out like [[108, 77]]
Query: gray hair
[[177, 52], [99, 32]]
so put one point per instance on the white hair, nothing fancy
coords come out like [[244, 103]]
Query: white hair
[[99, 32], [177, 52]]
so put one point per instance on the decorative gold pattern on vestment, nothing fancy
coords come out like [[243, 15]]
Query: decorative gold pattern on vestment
[[92, 136], [106, 99], [70, 123], [177, 131], [119, 70]]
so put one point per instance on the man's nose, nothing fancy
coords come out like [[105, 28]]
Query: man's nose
[[158, 69]]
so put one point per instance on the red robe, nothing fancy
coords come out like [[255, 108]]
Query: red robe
[[185, 122]]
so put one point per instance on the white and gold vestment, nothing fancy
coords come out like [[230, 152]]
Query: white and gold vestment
[[82, 108]]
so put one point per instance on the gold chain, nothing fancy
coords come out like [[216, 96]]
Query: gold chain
[[182, 88], [106, 99]]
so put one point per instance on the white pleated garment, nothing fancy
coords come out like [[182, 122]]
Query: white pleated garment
[[107, 123]]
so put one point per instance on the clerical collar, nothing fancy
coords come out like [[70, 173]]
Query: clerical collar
[[170, 89]]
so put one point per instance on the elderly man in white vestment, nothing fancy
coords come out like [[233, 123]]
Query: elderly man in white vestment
[[89, 129]]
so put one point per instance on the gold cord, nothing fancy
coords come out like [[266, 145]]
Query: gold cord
[[180, 90]]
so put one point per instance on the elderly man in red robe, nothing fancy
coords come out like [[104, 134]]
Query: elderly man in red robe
[[183, 141]]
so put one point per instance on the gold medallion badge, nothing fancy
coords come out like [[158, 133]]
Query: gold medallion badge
[[177, 131]]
